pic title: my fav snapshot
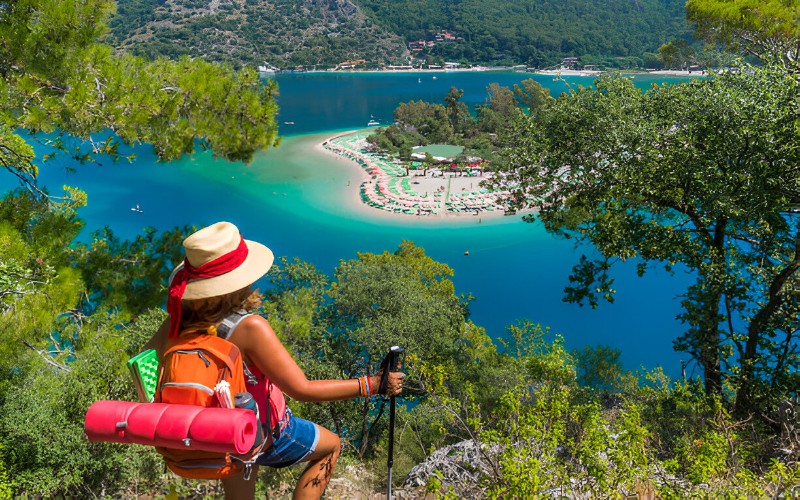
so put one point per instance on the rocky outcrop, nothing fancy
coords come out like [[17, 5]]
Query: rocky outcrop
[[459, 466]]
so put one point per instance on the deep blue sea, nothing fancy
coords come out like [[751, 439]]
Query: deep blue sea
[[296, 201]]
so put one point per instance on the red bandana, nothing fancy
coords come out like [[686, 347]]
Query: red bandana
[[217, 267]]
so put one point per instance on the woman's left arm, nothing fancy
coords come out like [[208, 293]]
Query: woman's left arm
[[258, 342]]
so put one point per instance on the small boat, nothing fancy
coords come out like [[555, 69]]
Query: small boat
[[137, 209], [267, 70], [373, 123], [466, 253], [419, 80], [434, 78], [288, 123]]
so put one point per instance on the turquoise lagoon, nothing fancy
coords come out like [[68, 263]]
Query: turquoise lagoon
[[300, 203]]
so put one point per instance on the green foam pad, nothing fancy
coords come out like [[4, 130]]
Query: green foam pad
[[144, 368]]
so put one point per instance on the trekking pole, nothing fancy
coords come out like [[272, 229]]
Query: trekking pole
[[389, 364]]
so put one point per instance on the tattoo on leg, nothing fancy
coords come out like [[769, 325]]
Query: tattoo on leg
[[325, 465]]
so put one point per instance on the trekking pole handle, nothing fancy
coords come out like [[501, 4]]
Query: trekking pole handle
[[390, 363]]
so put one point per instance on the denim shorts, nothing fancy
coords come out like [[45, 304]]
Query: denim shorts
[[297, 441]]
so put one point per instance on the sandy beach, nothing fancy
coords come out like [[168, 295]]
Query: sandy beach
[[386, 188], [670, 72], [665, 72]]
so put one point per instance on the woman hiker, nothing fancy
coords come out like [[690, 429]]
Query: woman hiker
[[214, 282]]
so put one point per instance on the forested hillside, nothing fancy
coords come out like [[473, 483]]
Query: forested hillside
[[621, 33], [536, 32], [284, 33]]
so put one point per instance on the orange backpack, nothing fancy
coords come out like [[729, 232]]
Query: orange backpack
[[192, 367]]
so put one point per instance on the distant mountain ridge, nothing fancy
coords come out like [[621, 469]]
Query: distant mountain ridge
[[374, 33]]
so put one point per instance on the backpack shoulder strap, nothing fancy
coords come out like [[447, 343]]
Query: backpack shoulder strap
[[230, 322], [226, 328]]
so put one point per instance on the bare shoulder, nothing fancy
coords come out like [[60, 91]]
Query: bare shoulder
[[252, 330], [254, 322], [258, 343]]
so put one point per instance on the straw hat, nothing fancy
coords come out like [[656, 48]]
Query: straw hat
[[213, 242]]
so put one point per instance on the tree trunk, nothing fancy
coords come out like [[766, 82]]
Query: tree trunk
[[709, 346], [709, 323], [364, 429], [756, 329]]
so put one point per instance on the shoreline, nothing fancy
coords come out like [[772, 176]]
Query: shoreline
[[385, 190], [511, 69]]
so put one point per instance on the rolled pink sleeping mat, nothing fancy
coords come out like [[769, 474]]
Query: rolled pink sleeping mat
[[185, 427]]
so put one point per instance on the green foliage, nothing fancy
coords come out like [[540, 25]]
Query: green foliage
[[402, 298], [553, 441], [697, 174], [54, 364], [717, 157], [49, 35], [62, 87], [41, 422], [341, 328], [395, 140], [676, 54], [431, 121], [140, 330], [16, 155], [6, 486], [599, 367], [36, 281], [417, 123], [532, 94], [457, 111], [768, 29], [653, 438], [128, 275], [325, 34], [283, 33], [498, 108], [525, 404], [702, 459], [534, 33]]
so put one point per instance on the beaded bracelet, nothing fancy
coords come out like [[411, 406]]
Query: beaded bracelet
[[364, 387], [360, 386]]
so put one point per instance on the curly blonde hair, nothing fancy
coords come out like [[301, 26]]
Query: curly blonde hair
[[202, 313]]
